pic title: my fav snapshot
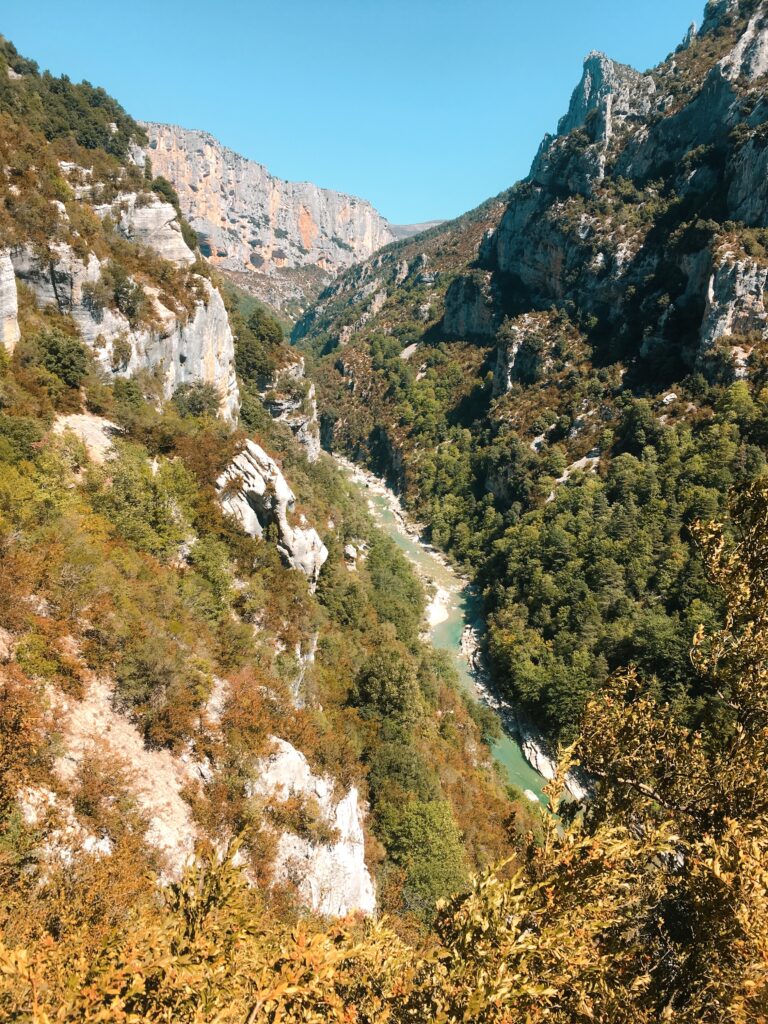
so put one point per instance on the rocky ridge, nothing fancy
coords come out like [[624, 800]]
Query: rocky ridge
[[687, 140], [283, 239]]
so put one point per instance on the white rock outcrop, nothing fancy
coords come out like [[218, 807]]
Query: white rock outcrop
[[185, 350], [254, 491], [332, 879], [749, 58], [536, 754], [96, 433], [613, 91], [735, 301], [291, 399], [9, 307], [157, 778], [153, 223]]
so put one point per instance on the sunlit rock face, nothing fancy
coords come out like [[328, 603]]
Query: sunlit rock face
[[291, 399], [254, 491], [247, 219], [9, 324], [153, 223], [184, 349], [331, 877]]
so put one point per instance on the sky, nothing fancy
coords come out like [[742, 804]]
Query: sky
[[424, 107]]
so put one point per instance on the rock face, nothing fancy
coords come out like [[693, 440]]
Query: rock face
[[153, 224], [158, 778], [186, 350], [332, 878], [9, 324], [97, 433], [749, 58], [735, 301], [247, 219], [290, 398], [569, 238], [471, 308], [607, 92], [254, 490]]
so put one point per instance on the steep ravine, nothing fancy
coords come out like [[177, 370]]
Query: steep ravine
[[453, 616]]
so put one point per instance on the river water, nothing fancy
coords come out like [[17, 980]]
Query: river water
[[453, 610]]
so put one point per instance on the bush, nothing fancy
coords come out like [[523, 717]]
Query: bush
[[197, 399], [61, 354]]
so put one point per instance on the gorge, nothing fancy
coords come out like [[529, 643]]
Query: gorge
[[325, 544]]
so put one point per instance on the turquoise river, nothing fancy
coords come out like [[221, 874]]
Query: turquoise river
[[455, 610]]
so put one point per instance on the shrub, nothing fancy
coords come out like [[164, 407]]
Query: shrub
[[197, 399], [61, 354]]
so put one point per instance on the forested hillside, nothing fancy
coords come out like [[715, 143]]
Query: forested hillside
[[236, 785], [186, 657], [562, 382]]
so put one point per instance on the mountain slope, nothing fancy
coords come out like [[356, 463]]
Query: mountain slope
[[284, 240], [563, 381], [186, 659]]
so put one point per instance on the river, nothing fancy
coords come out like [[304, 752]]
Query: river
[[452, 613]]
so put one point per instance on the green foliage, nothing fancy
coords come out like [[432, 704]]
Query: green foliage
[[61, 109], [150, 508], [422, 838], [123, 292], [197, 399], [61, 354], [258, 347], [388, 688]]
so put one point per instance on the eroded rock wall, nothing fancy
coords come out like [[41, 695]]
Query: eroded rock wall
[[198, 347], [247, 219], [331, 877], [9, 309]]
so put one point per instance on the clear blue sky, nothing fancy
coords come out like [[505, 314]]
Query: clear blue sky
[[425, 107]]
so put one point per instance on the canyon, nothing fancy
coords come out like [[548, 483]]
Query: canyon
[[282, 241]]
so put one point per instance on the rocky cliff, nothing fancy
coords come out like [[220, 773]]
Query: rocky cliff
[[187, 341], [196, 346], [254, 490], [332, 878], [294, 234], [644, 211], [9, 306]]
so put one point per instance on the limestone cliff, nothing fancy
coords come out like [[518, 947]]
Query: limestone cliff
[[332, 878], [185, 348], [250, 222], [290, 398], [9, 323]]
